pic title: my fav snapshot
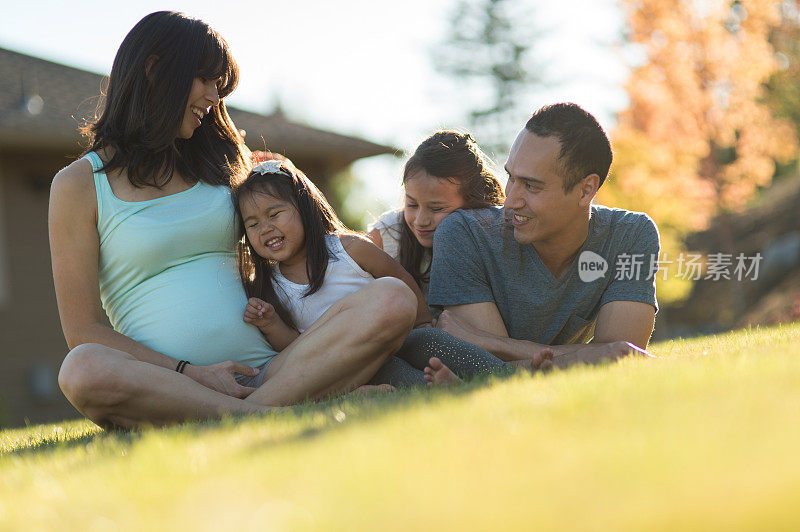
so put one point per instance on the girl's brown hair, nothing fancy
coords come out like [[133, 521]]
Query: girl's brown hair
[[454, 156]]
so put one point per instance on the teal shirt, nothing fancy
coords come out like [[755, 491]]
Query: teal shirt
[[168, 276]]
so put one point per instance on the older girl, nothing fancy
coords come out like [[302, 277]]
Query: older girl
[[448, 171]]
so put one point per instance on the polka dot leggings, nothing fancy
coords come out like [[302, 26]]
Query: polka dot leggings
[[465, 359]]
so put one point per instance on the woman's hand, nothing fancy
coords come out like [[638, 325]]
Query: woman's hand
[[221, 377], [260, 313]]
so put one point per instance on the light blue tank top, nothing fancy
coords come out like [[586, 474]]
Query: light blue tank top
[[168, 276]]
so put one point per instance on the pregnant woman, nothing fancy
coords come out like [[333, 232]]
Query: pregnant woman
[[143, 229]]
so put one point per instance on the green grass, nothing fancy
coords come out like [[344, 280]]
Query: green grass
[[705, 437]]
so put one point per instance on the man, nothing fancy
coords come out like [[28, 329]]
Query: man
[[542, 271]]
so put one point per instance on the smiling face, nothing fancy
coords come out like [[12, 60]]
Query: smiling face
[[428, 201], [273, 227], [202, 97], [541, 211]]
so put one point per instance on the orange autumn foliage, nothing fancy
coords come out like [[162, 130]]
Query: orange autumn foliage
[[697, 139]]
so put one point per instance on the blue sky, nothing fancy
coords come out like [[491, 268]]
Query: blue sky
[[358, 67]]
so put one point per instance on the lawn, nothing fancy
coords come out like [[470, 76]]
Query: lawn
[[707, 436]]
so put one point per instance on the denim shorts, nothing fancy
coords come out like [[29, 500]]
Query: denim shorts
[[258, 380]]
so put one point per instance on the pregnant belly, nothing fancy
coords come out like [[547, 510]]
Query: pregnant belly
[[193, 312]]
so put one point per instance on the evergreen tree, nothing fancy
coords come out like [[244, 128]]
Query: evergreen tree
[[488, 49]]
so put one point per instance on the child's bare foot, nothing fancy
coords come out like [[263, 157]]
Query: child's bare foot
[[541, 361], [438, 373]]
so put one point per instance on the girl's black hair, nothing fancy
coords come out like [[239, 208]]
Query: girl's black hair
[[145, 103], [318, 217], [454, 156]]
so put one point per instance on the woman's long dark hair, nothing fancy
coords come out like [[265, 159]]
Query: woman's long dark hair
[[318, 217], [454, 156], [146, 98]]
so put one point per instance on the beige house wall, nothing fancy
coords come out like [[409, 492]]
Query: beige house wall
[[4, 276], [31, 343]]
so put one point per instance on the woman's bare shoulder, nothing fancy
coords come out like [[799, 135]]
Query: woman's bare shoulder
[[74, 184]]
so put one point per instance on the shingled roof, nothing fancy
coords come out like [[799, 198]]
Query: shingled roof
[[42, 104]]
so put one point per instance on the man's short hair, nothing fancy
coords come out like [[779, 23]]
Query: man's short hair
[[585, 149]]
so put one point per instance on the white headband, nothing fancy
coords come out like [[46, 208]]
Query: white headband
[[272, 166]]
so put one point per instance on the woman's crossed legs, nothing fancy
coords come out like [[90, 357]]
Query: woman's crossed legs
[[338, 353]]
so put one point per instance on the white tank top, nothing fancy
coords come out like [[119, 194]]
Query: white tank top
[[390, 226], [342, 277]]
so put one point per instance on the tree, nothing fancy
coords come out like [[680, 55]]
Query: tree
[[488, 49], [783, 88], [697, 121], [698, 138]]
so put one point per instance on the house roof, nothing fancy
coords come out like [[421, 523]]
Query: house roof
[[43, 103]]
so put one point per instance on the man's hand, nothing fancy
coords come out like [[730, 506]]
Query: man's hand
[[622, 349], [448, 322], [259, 313], [221, 377], [597, 353]]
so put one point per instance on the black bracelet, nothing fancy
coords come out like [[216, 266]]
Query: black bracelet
[[181, 366]]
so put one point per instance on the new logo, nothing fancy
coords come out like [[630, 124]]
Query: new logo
[[591, 266]]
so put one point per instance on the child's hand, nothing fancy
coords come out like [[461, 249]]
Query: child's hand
[[259, 313]]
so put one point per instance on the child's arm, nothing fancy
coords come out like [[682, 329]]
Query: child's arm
[[379, 264], [375, 237], [263, 315]]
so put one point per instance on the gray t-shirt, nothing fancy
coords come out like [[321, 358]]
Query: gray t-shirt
[[477, 260]]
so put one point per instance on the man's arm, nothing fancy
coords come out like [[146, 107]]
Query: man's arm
[[626, 321], [621, 327]]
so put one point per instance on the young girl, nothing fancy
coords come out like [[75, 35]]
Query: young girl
[[298, 260], [298, 257], [448, 171]]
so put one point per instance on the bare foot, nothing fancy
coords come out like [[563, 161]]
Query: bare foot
[[438, 373], [373, 389], [541, 361]]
